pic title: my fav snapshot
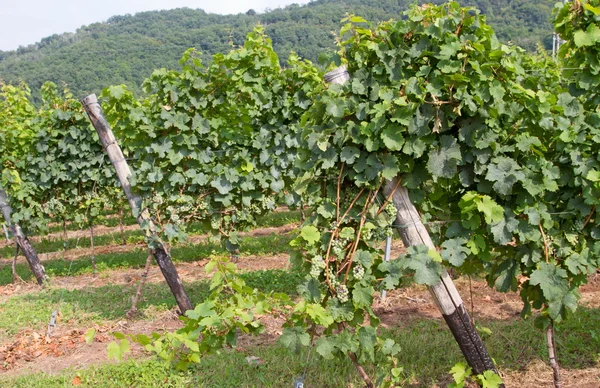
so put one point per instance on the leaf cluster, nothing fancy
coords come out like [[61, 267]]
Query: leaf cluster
[[232, 308], [55, 168], [215, 143], [480, 134]]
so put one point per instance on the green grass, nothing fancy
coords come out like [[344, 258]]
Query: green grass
[[128, 219], [111, 302], [428, 353], [46, 245], [260, 245], [226, 370], [279, 218]]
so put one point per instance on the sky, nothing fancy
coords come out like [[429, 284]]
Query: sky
[[24, 22]]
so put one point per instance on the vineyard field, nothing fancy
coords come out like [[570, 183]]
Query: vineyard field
[[421, 212], [101, 301]]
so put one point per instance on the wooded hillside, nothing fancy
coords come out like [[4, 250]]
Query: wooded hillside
[[126, 49]]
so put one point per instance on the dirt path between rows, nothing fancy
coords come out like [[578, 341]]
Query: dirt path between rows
[[188, 272], [30, 352], [99, 230], [115, 248]]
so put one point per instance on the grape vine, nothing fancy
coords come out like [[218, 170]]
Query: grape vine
[[498, 148], [477, 132], [215, 143]]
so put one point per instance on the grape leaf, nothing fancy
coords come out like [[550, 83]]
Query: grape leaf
[[294, 338], [454, 251], [504, 172], [310, 234], [443, 161], [427, 270], [325, 347]]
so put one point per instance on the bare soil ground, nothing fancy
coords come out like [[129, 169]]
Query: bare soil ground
[[33, 352]]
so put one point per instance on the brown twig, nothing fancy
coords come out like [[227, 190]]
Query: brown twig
[[363, 218], [93, 248], [337, 202], [138, 293], [589, 217], [342, 220], [552, 355], [333, 233], [389, 197], [546, 249], [15, 275], [361, 370], [121, 229], [350, 255], [438, 103]]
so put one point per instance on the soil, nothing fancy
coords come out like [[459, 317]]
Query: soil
[[33, 352]]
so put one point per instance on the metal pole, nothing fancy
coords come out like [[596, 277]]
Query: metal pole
[[6, 233], [386, 257]]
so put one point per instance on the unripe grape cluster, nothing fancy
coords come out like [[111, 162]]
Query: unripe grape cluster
[[54, 206], [390, 210], [215, 222], [359, 272], [337, 247], [317, 266], [342, 293]]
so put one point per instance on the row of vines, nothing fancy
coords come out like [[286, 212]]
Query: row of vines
[[499, 150]]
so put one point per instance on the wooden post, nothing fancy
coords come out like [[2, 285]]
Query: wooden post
[[94, 111], [413, 232], [23, 242], [138, 293], [92, 246], [444, 292]]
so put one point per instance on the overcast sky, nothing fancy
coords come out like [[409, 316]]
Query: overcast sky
[[24, 22]]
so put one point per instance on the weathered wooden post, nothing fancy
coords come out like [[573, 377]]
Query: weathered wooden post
[[445, 294], [23, 242], [94, 111]]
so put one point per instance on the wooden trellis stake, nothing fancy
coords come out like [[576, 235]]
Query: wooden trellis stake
[[23, 242], [105, 133], [446, 296]]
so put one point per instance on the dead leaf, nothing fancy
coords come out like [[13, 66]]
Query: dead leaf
[[255, 361], [76, 381]]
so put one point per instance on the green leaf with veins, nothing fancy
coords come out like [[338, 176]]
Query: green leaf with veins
[[427, 270], [443, 161]]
